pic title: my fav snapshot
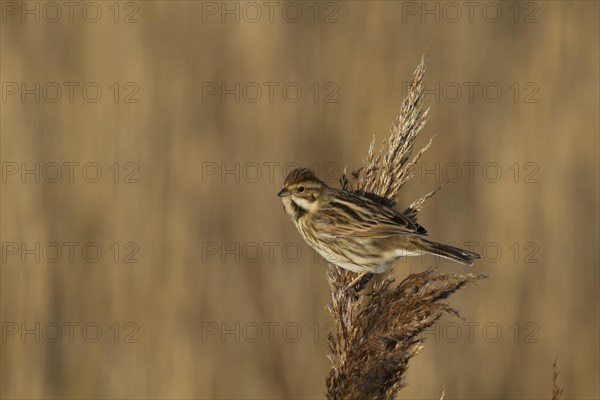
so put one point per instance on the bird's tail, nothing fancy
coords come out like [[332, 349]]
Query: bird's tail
[[456, 254]]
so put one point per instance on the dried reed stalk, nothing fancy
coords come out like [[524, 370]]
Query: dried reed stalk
[[376, 336]]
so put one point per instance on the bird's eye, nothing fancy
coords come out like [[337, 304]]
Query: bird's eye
[[301, 189]]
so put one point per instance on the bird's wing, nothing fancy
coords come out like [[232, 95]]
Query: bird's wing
[[366, 218]]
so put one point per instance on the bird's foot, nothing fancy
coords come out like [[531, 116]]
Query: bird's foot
[[359, 283]]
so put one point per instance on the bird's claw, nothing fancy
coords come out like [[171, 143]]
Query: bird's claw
[[359, 285]]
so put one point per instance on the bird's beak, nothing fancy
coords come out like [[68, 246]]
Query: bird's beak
[[283, 193]]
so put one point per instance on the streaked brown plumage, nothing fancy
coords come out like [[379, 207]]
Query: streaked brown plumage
[[353, 231]]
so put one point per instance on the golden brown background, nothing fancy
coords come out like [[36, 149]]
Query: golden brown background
[[542, 290]]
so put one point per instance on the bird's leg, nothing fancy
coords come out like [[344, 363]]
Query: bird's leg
[[356, 280], [360, 281]]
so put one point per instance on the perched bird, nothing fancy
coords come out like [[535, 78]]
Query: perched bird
[[353, 231]]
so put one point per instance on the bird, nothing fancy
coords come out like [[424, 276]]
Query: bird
[[355, 232]]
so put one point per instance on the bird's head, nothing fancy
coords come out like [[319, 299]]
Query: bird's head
[[301, 192]]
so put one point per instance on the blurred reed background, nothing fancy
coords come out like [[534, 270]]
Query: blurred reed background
[[226, 300]]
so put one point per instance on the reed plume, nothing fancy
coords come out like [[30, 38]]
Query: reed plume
[[376, 335], [557, 391]]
